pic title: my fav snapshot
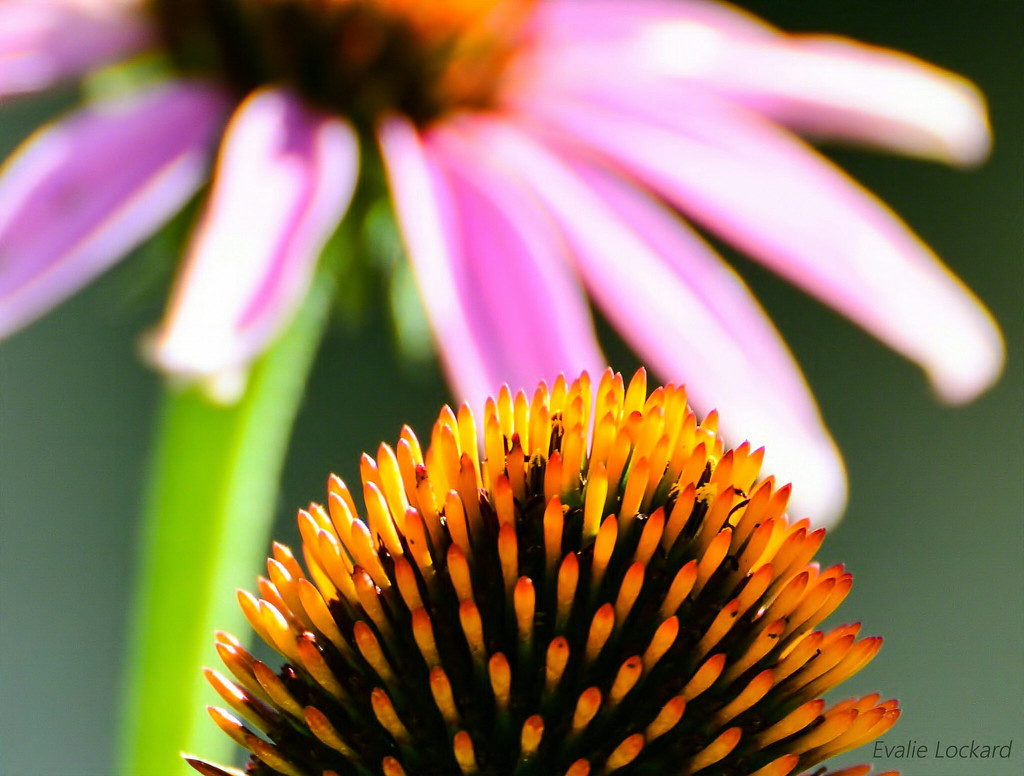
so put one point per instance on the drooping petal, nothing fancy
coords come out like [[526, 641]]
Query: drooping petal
[[45, 41], [284, 180], [677, 331], [830, 87], [722, 294], [80, 194], [491, 269], [794, 211], [558, 23], [822, 85], [590, 45]]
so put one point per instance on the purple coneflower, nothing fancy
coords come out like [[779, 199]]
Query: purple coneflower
[[537, 152]]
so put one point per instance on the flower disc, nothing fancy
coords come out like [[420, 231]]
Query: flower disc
[[360, 58], [607, 589]]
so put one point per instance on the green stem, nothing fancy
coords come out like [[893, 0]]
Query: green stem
[[208, 516]]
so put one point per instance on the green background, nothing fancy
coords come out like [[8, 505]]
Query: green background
[[933, 532]]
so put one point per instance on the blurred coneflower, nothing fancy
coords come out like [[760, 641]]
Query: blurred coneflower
[[642, 608], [534, 149]]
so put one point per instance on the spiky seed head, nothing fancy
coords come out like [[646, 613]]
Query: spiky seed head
[[609, 589]]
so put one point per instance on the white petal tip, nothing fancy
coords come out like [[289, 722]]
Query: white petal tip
[[820, 488], [167, 350], [968, 133], [975, 370], [222, 385], [226, 388]]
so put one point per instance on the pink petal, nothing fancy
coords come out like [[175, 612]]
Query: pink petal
[[828, 86], [722, 295], [426, 216], [595, 44], [491, 270], [680, 333], [284, 180], [528, 310], [565, 22], [777, 199], [79, 195], [822, 85], [45, 41]]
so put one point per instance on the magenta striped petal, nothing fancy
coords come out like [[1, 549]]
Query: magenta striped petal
[[284, 180], [46, 41], [527, 308], [80, 194], [777, 199], [426, 215], [676, 330], [525, 317]]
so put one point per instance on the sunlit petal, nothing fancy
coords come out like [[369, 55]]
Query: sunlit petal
[[80, 194], [504, 273], [828, 86], [822, 85], [723, 297], [426, 216], [567, 22], [284, 179], [528, 309]]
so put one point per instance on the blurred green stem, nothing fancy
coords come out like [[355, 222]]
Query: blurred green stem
[[210, 508]]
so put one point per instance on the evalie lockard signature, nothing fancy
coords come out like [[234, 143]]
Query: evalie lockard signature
[[913, 749]]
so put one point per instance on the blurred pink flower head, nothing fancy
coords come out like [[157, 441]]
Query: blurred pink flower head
[[537, 152]]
